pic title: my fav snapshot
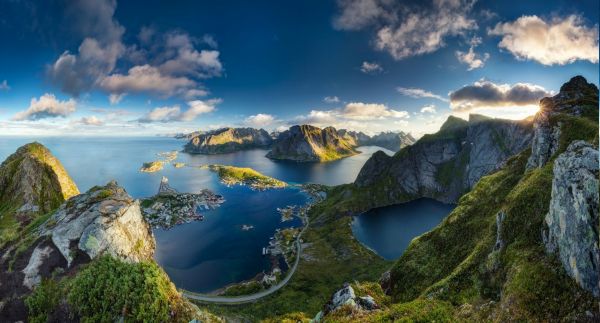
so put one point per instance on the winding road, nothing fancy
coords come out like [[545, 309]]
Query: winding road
[[232, 300]]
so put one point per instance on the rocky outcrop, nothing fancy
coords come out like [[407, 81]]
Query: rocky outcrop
[[307, 143], [33, 180], [446, 164], [575, 98], [227, 140], [346, 297], [572, 220], [103, 220]]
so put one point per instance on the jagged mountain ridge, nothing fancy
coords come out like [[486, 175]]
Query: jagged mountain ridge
[[307, 143], [226, 140]]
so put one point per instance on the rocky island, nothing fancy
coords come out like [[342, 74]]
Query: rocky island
[[169, 207], [152, 167], [227, 140], [307, 143]]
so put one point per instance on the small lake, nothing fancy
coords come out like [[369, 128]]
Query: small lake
[[207, 255], [389, 230]]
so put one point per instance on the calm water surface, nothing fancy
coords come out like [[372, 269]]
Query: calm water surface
[[200, 256], [388, 230]]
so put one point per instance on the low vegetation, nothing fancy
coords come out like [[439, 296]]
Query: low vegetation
[[231, 175]]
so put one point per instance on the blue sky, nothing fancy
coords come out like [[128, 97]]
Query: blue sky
[[146, 67]]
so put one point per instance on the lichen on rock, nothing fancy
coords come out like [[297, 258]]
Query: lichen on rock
[[572, 221]]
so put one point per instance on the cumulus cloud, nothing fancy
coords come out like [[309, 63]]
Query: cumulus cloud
[[91, 121], [557, 41], [486, 94], [472, 59], [259, 120], [428, 109], [419, 93], [146, 78], [371, 68], [353, 112], [170, 57], [370, 111], [174, 113], [331, 99], [405, 30], [47, 106], [4, 86]]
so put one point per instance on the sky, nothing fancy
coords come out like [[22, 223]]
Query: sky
[[131, 68]]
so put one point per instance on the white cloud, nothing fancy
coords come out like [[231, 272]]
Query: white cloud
[[405, 30], [259, 120], [148, 79], [419, 93], [47, 106], [558, 41], [371, 68], [370, 111], [91, 121], [4, 86], [164, 64], [471, 58], [355, 115], [499, 100], [428, 109], [174, 113], [331, 99], [116, 98]]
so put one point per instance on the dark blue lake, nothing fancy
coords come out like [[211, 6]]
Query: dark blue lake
[[200, 256], [389, 230]]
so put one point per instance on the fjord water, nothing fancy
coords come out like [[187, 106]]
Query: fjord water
[[200, 256], [389, 230]]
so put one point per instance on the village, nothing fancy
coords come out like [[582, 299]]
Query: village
[[169, 207]]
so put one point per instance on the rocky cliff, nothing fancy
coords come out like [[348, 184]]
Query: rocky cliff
[[446, 164], [32, 179], [227, 140], [521, 245], [307, 143]]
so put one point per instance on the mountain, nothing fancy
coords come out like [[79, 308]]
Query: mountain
[[521, 245], [307, 143], [227, 140], [393, 141], [33, 179], [442, 166]]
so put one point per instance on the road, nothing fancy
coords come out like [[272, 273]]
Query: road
[[232, 300]]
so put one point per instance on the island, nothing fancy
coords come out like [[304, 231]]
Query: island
[[231, 175], [152, 167], [169, 207]]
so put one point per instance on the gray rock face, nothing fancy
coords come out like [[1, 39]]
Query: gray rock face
[[572, 99], [572, 222], [347, 297], [306, 143], [103, 220], [446, 164], [227, 140]]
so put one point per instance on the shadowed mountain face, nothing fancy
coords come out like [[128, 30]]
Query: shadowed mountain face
[[393, 141], [227, 140], [448, 163], [311, 144]]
